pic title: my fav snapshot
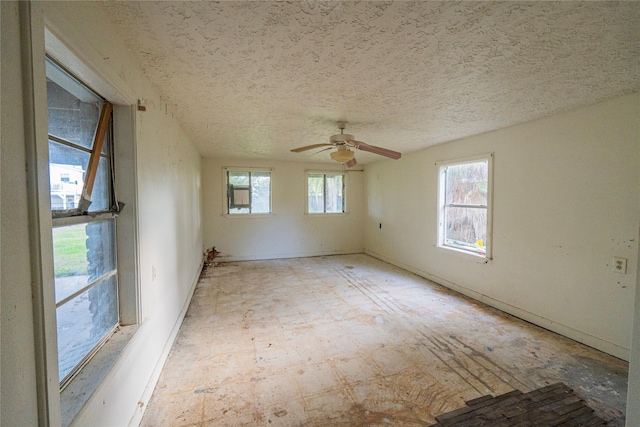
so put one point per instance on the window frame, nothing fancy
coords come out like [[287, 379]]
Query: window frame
[[103, 136], [225, 191], [441, 206], [102, 147], [46, 32], [324, 174]]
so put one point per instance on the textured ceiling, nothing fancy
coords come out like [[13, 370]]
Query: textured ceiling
[[255, 79]]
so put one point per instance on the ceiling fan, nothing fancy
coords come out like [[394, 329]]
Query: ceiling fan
[[344, 142]]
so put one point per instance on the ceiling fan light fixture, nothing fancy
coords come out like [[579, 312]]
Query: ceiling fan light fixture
[[344, 141], [342, 156]]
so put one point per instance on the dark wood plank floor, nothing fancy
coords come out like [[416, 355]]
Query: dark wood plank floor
[[554, 405]]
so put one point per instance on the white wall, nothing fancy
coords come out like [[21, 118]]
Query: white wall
[[633, 393], [566, 192], [288, 232], [169, 220], [18, 354], [566, 202]]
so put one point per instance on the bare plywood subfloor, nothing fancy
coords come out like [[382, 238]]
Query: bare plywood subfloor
[[352, 341]]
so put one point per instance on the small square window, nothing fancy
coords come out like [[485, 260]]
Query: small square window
[[248, 192], [464, 207], [325, 193]]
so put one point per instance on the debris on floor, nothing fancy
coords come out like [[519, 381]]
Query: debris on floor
[[552, 405], [210, 257]]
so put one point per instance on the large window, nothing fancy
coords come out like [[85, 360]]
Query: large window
[[84, 229], [464, 217], [248, 191], [325, 193]]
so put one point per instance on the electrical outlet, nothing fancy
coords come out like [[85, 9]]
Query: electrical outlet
[[153, 272], [620, 265]]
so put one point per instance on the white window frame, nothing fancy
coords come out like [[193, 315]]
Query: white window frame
[[225, 198], [74, 216], [306, 192], [46, 35], [92, 366], [441, 168]]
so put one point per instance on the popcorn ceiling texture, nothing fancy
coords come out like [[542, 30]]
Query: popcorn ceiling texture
[[255, 79]]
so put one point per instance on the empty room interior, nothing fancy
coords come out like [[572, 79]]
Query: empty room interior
[[320, 213]]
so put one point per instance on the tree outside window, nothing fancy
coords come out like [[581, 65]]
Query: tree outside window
[[464, 220], [325, 193], [248, 192]]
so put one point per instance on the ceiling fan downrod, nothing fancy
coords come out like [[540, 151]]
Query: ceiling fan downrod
[[342, 137]]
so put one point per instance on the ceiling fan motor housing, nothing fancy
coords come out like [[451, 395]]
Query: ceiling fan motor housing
[[343, 142], [341, 138]]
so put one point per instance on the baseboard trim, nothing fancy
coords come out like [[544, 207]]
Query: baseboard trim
[[234, 258], [143, 403], [564, 330]]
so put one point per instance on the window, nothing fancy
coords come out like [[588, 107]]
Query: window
[[464, 218], [325, 193], [248, 191], [84, 246]]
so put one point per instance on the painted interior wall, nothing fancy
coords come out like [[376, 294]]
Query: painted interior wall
[[567, 200], [633, 392], [17, 373], [288, 232], [169, 231], [566, 191]]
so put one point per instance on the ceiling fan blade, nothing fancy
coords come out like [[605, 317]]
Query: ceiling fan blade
[[325, 149], [376, 150], [351, 162], [310, 147]]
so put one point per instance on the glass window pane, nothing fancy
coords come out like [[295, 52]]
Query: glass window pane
[[70, 260], [466, 228], [67, 171], [260, 192], [105, 143], [466, 184], [67, 168], [334, 196], [84, 321], [315, 186], [82, 253], [101, 248], [239, 210], [73, 110], [239, 178], [100, 196]]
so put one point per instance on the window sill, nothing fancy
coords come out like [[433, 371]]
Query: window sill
[[326, 214], [77, 393], [248, 215], [471, 256]]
